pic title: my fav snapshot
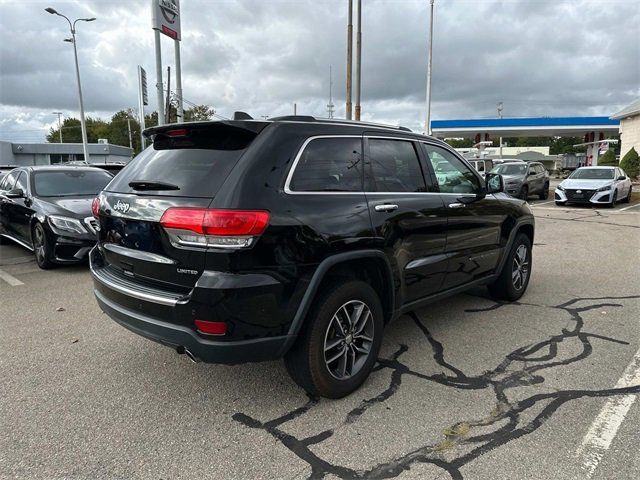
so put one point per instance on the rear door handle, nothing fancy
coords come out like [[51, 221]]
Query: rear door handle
[[456, 205], [386, 207]]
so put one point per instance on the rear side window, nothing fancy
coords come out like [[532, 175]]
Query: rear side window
[[194, 163], [329, 165], [394, 167]]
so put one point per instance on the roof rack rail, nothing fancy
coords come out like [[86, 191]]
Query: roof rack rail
[[309, 118], [293, 118]]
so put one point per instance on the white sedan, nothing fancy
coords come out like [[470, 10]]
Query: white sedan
[[595, 186]]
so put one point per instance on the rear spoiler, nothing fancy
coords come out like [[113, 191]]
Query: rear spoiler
[[254, 126]]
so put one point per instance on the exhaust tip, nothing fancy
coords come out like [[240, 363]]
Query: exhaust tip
[[180, 350]]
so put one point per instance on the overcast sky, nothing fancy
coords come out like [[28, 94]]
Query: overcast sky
[[541, 58]]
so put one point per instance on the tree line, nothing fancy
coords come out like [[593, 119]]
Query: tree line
[[557, 145], [116, 129]]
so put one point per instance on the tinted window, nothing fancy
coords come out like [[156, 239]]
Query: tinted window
[[195, 163], [394, 167], [70, 182], [329, 165], [593, 174], [452, 174], [9, 181], [21, 183]]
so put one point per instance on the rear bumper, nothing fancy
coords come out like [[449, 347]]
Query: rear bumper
[[176, 336], [168, 317]]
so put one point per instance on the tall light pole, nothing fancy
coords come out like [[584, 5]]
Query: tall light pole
[[427, 123], [72, 27], [358, 60], [59, 124], [500, 115], [349, 59]]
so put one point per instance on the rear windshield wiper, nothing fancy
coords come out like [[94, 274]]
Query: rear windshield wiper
[[152, 185]]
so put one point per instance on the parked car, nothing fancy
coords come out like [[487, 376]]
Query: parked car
[[482, 165], [47, 209], [595, 186], [500, 161], [522, 179], [237, 241]]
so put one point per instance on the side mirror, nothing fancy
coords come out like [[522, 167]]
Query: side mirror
[[622, 177], [15, 193], [494, 182]]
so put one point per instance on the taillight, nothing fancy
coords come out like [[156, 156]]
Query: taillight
[[204, 227], [211, 328], [95, 207]]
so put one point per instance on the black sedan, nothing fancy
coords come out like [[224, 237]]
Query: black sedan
[[47, 209]]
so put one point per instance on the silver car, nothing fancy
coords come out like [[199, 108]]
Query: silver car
[[595, 186]]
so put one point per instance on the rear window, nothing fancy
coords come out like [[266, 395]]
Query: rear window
[[70, 183], [194, 164], [329, 165]]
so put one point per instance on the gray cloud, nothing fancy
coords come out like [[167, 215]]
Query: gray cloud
[[542, 57]]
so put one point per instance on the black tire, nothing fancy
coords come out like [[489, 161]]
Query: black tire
[[41, 248], [307, 362], [505, 287], [524, 193], [614, 199], [545, 192], [627, 199], [561, 204]]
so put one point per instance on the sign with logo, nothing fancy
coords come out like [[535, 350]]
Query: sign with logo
[[166, 17], [143, 86]]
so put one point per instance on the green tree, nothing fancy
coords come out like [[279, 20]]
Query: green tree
[[630, 163], [608, 158], [199, 113], [116, 130]]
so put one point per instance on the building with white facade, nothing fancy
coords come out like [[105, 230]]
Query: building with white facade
[[22, 154], [629, 127]]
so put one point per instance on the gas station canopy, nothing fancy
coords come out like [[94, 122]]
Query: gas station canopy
[[524, 127]]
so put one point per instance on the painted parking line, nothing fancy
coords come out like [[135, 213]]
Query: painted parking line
[[543, 203], [605, 427], [630, 206], [10, 279]]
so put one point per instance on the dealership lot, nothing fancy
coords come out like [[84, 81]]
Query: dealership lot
[[466, 388]]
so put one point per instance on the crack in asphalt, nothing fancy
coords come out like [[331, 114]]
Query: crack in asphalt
[[508, 374]]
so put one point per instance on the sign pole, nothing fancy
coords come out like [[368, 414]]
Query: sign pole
[[142, 87], [180, 113], [159, 78]]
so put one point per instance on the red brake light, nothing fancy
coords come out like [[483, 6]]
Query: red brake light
[[180, 132], [223, 223], [95, 207], [211, 328]]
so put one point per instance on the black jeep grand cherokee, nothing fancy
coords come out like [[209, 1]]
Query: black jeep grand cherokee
[[243, 240]]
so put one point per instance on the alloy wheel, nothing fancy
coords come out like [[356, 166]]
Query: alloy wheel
[[348, 340], [39, 243], [520, 270]]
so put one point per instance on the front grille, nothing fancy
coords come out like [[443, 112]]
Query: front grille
[[584, 195]]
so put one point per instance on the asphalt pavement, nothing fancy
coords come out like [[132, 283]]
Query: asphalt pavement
[[545, 388]]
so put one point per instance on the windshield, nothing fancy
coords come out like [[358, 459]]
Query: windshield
[[593, 174], [70, 183], [510, 169]]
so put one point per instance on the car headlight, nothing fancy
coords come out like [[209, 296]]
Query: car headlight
[[560, 187], [67, 224], [605, 188]]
